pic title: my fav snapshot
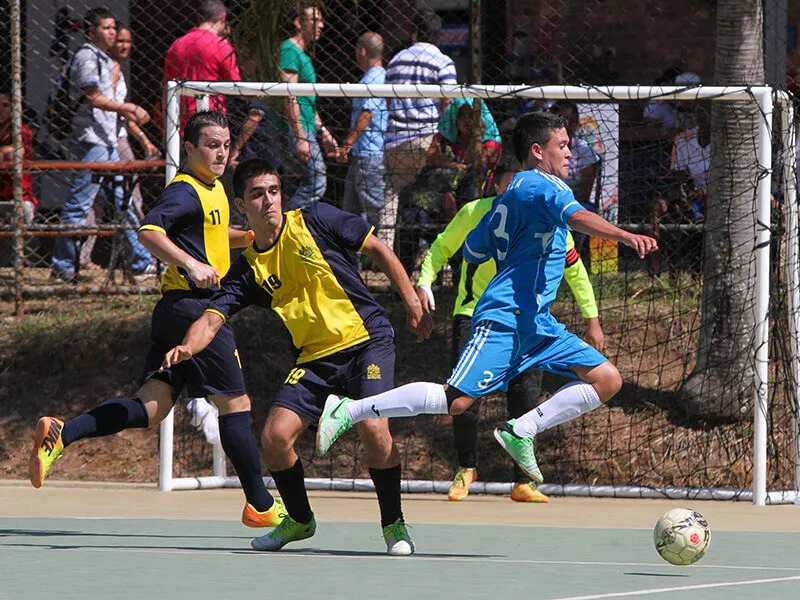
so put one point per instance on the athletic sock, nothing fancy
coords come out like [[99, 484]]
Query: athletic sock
[[406, 401], [571, 401], [387, 487], [110, 417], [293, 492], [241, 448]]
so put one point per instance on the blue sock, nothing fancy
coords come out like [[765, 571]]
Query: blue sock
[[241, 447], [110, 417]]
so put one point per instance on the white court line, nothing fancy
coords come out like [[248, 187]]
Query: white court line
[[682, 588], [361, 555]]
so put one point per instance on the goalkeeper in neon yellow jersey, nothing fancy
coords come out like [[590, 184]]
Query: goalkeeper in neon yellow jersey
[[524, 391]]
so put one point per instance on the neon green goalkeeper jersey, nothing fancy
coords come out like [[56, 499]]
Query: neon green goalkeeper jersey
[[475, 278]]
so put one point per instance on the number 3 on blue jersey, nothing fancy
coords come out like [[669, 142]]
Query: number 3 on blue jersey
[[500, 231]]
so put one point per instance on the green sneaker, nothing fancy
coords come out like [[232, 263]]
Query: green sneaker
[[398, 542], [332, 424], [288, 531], [520, 449]]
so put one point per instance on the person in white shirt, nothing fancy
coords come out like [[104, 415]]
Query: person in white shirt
[[673, 115], [94, 136], [412, 121]]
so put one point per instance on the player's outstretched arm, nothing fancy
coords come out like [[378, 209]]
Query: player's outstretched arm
[[418, 321], [196, 340], [160, 246], [587, 222]]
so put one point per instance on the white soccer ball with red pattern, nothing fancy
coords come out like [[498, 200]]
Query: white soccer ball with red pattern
[[682, 536]]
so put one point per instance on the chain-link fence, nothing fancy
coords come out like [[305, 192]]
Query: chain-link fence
[[74, 208]]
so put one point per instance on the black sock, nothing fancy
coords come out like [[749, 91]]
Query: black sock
[[110, 417], [293, 492], [387, 487], [242, 449], [467, 460]]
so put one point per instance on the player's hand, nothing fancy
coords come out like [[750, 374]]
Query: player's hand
[[303, 150], [425, 295], [594, 334], [642, 244], [419, 322], [176, 355], [201, 274], [233, 158]]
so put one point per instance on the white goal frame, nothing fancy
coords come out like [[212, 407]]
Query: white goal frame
[[767, 100]]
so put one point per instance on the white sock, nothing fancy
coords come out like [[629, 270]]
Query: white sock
[[406, 401], [569, 402]]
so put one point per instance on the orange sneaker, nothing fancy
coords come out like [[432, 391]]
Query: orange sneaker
[[269, 518], [47, 447], [460, 487], [528, 492]]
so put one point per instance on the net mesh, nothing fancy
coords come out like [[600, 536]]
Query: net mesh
[[684, 415]]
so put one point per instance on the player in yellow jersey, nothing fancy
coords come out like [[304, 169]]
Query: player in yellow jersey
[[523, 391], [302, 265], [189, 229]]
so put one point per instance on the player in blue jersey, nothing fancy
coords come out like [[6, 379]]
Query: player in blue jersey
[[513, 330], [189, 229]]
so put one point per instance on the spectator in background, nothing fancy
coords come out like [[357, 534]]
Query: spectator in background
[[364, 188], [29, 201], [672, 115], [412, 121], [301, 111], [684, 203], [203, 54], [454, 145], [584, 166], [584, 163], [120, 53], [94, 137]]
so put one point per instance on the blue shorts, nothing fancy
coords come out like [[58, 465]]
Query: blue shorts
[[215, 370], [495, 354], [363, 370]]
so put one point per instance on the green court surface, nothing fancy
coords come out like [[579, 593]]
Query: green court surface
[[92, 558]]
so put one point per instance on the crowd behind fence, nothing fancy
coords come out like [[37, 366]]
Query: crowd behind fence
[[417, 161]]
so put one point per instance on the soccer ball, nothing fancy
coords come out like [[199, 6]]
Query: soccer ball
[[682, 536]]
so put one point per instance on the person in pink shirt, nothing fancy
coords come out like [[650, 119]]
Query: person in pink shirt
[[203, 55]]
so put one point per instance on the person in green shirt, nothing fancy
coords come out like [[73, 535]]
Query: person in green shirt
[[301, 111], [524, 391]]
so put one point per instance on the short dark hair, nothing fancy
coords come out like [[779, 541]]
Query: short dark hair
[[428, 25], [93, 17], [201, 119], [534, 128], [247, 170], [211, 11], [508, 164]]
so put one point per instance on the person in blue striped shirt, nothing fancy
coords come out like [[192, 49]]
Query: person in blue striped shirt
[[525, 233], [412, 121]]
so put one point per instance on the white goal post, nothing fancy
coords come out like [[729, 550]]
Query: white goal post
[[766, 98]]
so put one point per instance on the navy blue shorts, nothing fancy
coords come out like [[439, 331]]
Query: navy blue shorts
[[358, 372], [215, 370]]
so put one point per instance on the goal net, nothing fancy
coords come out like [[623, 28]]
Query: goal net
[[704, 332]]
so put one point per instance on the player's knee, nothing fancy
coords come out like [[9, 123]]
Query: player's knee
[[457, 401], [609, 381], [273, 442]]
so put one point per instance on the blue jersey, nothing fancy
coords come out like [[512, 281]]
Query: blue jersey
[[525, 232]]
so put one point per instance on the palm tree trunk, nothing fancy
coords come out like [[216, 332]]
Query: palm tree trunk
[[721, 384]]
